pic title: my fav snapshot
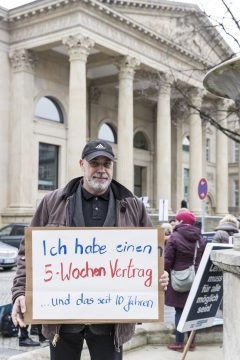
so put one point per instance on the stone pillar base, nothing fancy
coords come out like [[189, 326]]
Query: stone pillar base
[[17, 215], [229, 262]]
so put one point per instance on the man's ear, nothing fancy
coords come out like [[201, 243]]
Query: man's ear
[[81, 163]]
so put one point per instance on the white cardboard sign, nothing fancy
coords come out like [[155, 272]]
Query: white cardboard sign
[[93, 274], [163, 210]]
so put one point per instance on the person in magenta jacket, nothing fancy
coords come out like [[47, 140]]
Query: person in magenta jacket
[[179, 253]]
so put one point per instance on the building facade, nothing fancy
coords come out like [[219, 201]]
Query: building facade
[[127, 71]]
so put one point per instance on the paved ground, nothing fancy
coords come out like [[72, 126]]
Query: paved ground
[[162, 353], [6, 277], [9, 347], [150, 352]]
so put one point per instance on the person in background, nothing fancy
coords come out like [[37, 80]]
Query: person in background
[[198, 224], [172, 222], [167, 230], [184, 204], [228, 226], [179, 254], [24, 338], [36, 329], [94, 200]]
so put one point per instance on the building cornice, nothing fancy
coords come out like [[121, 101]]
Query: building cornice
[[43, 7], [154, 5]]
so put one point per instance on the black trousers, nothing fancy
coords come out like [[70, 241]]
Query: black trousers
[[69, 346], [23, 332]]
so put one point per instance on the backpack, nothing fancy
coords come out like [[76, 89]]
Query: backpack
[[7, 326]]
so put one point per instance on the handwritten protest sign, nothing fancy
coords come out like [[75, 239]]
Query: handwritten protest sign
[[93, 274], [205, 295]]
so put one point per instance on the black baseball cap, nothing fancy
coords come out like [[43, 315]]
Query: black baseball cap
[[95, 148]]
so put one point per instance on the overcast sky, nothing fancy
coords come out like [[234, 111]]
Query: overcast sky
[[213, 8], [9, 4], [212, 5]]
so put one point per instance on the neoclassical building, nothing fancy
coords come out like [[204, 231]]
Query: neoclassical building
[[126, 71]]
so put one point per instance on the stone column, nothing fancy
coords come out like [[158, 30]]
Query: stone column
[[21, 134], [79, 48], [125, 165], [221, 162], [195, 162], [180, 113], [163, 140], [4, 126]]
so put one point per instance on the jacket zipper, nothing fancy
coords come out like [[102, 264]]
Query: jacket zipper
[[56, 336], [67, 213]]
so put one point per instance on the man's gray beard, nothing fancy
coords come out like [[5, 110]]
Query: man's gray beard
[[96, 186]]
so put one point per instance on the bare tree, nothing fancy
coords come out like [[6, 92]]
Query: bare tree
[[227, 26]]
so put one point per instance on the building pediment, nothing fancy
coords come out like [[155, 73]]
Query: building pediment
[[180, 23], [174, 25]]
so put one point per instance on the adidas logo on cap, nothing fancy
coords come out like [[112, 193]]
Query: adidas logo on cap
[[100, 146]]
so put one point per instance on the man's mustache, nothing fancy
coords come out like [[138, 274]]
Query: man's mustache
[[101, 176]]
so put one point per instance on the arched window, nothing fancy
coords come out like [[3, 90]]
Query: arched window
[[140, 141], [47, 108], [106, 132], [186, 144]]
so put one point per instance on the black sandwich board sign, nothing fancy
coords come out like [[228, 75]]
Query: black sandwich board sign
[[205, 295]]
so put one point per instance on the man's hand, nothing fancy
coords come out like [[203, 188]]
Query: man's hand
[[164, 280], [18, 310]]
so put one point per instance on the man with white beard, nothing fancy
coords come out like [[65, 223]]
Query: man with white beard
[[94, 200]]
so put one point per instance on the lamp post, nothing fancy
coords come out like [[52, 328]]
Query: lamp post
[[224, 80]]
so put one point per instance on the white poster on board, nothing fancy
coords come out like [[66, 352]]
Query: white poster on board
[[95, 274], [163, 210]]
